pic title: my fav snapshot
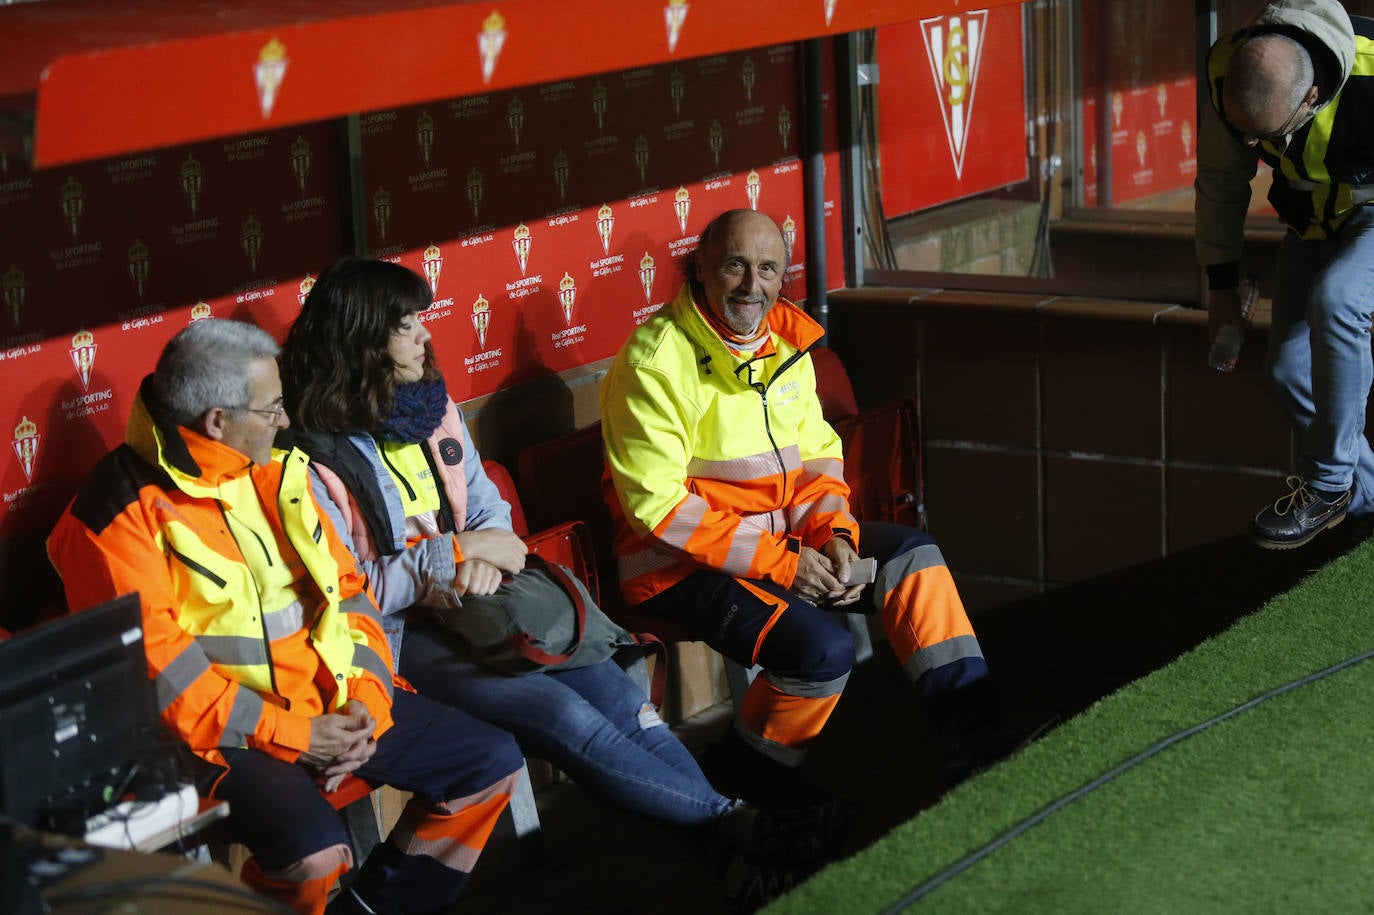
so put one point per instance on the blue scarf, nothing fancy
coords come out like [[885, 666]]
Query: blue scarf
[[420, 407]]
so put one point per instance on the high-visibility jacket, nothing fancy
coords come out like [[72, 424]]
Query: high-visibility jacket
[[150, 519], [714, 460], [354, 489], [1323, 170]]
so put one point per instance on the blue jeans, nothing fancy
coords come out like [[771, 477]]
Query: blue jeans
[[1319, 353], [591, 722]]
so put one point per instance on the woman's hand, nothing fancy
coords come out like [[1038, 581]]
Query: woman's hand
[[475, 576], [499, 547]]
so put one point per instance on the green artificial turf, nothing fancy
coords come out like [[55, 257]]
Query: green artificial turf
[[1271, 810]]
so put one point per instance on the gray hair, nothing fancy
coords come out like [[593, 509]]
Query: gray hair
[[1266, 70], [206, 365]]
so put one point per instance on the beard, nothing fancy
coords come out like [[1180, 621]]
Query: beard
[[745, 315]]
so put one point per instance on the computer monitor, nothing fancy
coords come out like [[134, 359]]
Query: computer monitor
[[78, 723]]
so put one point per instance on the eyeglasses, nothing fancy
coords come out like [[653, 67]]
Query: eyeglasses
[[1288, 127], [273, 413]]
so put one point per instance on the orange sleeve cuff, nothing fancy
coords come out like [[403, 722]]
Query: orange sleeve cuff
[[785, 570], [850, 537], [457, 552], [288, 735]]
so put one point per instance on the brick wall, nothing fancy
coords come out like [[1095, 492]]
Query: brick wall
[[1065, 438], [985, 237]]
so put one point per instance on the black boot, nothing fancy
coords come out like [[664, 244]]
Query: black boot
[[762, 853], [969, 733], [976, 707], [738, 770], [972, 734]]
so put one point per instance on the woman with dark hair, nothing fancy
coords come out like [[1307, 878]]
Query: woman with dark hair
[[398, 474]]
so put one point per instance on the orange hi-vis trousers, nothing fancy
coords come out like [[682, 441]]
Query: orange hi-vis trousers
[[460, 770], [806, 654]]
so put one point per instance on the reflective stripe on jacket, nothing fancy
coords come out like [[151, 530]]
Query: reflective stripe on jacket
[[149, 519], [716, 461]]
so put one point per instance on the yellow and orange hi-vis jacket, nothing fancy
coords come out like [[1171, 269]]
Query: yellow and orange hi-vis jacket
[[149, 519], [716, 461]]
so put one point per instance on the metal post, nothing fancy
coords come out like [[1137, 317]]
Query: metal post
[[1204, 36], [1105, 148], [851, 156], [813, 174], [354, 217]]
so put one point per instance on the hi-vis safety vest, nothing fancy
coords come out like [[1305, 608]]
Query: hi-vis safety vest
[[716, 461], [149, 519], [1326, 168]]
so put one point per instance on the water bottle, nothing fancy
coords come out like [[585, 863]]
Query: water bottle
[[1226, 347]]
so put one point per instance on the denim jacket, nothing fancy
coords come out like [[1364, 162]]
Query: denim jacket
[[358, 495]]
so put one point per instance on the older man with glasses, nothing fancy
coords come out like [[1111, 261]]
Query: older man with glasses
[[264, 643], [1295, 89]]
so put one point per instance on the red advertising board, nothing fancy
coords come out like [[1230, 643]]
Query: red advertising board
[[107, 75], [106, 260], [1154, 146], [549, 220], [1154, 138], [951, 107]]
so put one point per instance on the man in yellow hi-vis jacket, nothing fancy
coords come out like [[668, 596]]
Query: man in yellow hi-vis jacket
[[732, 516]]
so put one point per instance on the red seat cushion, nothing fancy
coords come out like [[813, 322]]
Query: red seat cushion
[[350, 789], [832, 385], [505, 485]]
